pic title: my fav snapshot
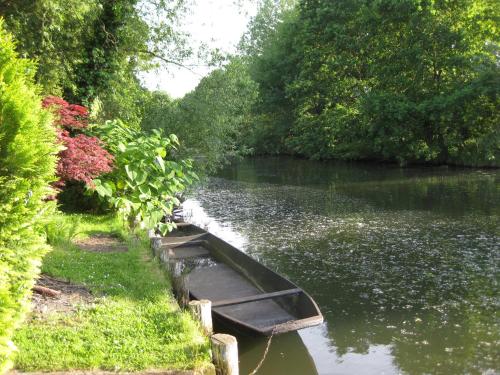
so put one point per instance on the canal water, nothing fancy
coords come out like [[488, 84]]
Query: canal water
[[402, 262]]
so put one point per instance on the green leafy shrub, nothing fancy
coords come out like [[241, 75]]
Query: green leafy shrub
[[27, 165], [147, 177]]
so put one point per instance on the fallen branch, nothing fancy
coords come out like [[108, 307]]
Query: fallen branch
[[46, 291]]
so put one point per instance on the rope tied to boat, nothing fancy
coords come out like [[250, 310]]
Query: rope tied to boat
[[264, 355]]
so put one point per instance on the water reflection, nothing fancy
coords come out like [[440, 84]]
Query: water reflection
[[378, 360], [403, 262], [287, 355]]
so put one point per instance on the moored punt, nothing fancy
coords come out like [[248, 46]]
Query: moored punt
[[244, 293]]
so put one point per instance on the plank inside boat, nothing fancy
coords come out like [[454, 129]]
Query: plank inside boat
[[220, 282], [242, 290], [187, 251]]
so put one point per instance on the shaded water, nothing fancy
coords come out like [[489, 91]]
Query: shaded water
[[402, 262]]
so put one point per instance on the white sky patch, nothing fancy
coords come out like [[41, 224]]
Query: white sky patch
[[216, 23]]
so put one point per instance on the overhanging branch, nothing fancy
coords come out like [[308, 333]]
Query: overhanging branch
[[173, 62]]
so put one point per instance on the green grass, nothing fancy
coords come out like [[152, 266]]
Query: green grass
[[135, 324]]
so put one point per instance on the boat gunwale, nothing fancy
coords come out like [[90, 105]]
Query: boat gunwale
[[292, 325], [203, 237]]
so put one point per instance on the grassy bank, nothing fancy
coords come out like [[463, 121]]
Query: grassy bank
[[133, 324]]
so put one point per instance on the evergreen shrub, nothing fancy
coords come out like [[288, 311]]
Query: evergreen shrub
[[27, 166]]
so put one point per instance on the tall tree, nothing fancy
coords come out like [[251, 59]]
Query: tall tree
[[27, 166], [268, 47], [94, 49], [54, 33], [407, 81], [392, 79]]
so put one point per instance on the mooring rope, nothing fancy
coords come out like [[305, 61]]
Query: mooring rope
[[264, 355]]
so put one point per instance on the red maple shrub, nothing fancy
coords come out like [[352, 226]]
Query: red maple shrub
[[83, 158], [70, 116]]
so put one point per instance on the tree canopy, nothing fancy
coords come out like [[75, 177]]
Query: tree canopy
[[406, 81], [94, 49], [410, 81]]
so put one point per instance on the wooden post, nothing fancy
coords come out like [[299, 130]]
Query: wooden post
[[155, 244], [174, 267], [155, 241], [202, 311], [164, 256], [179, 282], [225, 354], [182, 290]]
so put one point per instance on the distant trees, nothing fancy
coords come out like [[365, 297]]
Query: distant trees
[[213, 121], [268, 49], [407, 81]]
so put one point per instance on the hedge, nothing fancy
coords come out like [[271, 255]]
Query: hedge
[[27, 165]]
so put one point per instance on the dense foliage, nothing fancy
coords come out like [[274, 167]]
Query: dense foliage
[[27, 165], [213, 120], [94, 49], [83, 157], [147, 176], [267, 48], [406, 81]]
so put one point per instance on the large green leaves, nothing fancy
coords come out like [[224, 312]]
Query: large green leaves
[[146, 180]]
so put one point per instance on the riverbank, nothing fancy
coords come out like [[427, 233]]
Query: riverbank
[[116, 312]]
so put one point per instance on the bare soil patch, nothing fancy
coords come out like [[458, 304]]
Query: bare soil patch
[[71, 295], [102, 243]]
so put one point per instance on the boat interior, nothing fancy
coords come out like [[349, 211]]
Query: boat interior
[[242, 290]]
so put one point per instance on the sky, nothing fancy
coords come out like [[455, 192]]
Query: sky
[[217, 23]]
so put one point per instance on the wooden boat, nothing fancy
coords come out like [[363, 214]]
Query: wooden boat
[[244, 293]]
